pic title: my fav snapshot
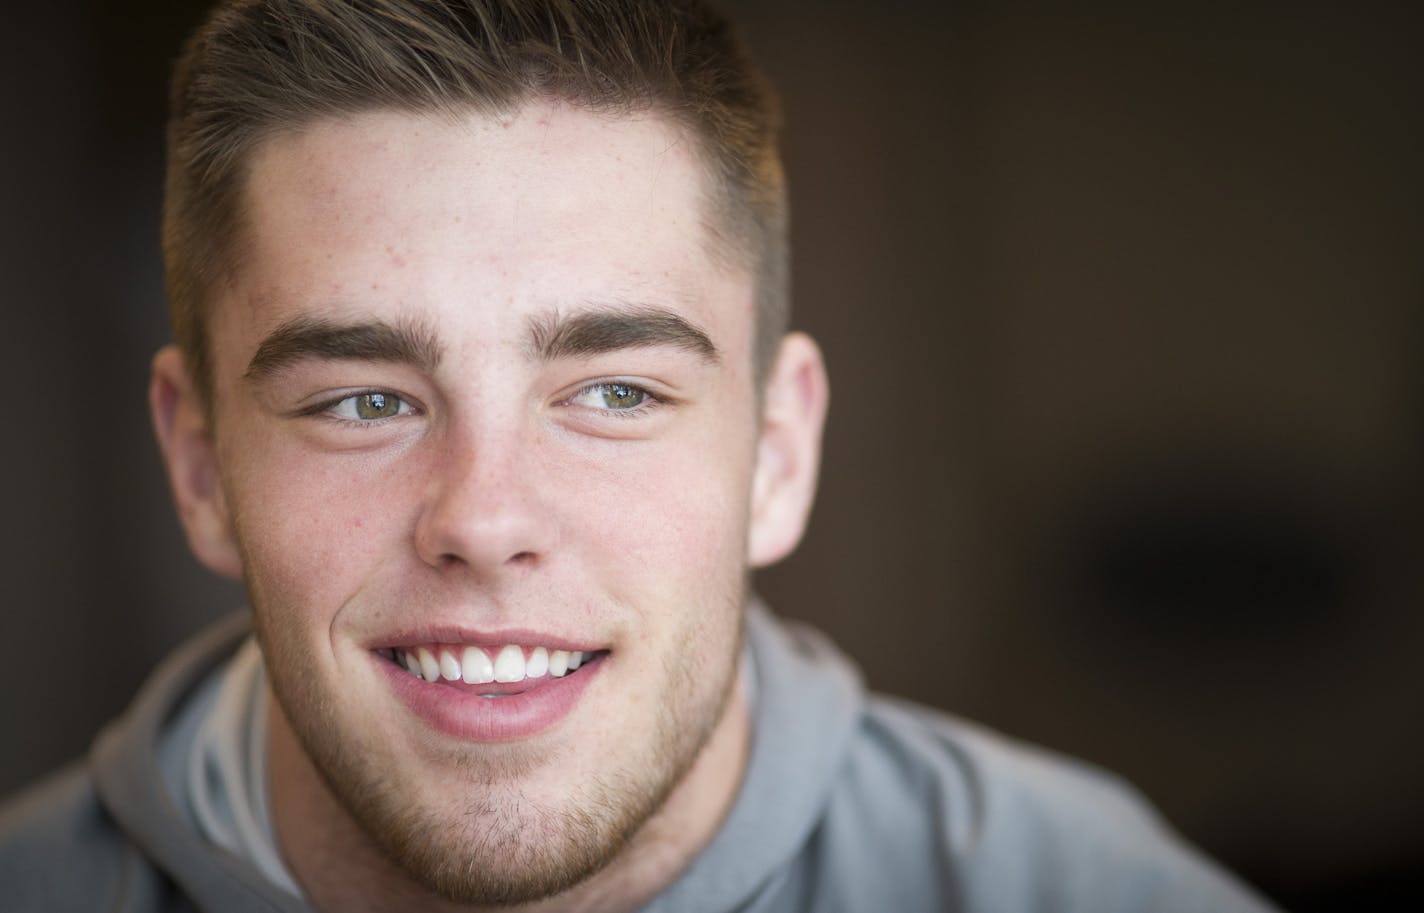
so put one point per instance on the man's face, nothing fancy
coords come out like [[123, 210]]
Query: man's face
[[483, 383]]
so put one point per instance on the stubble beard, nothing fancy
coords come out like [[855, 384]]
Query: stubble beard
[[504, 847]]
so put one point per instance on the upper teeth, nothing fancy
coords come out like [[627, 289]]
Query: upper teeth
[[479, 665]]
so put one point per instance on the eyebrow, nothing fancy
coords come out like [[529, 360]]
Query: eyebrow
[[551, 337], [312, 337], [608, 329]]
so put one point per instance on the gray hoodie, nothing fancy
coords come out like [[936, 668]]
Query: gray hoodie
[[851, 803]]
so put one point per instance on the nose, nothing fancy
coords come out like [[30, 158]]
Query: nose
[[483, 510]]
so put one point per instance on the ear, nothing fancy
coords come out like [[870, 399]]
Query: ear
[[187, 446], [788, 450]]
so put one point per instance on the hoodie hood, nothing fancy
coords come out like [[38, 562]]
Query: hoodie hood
[[130, 784], [807, 707]]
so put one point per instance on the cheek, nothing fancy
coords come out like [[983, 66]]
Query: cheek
[[666, 516], [307, 523]]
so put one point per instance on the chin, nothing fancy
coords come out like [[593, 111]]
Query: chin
[[506, 823]]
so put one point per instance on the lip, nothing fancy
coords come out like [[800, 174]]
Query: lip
[[452, 634], [464, 714]]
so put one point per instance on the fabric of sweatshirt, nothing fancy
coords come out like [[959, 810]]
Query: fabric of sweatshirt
[[851, 803]]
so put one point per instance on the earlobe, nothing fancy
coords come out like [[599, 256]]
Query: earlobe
[[788, 450], [181, 425]]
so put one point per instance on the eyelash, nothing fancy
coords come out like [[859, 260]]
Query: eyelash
[[325, 409], [649, 402]]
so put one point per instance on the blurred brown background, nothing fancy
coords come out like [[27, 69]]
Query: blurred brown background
[[1124, 309]]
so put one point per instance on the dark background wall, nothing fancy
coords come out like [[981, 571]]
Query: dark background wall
[[1124, 309]]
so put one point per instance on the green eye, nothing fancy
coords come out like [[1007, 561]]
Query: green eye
[[377, 405], [612, 397], [622, 396]]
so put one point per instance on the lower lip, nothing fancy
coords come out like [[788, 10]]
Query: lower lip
[[466, 715]]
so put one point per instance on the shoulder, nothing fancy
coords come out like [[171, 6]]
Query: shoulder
[[964, 812], [59, 850], [988, 782]]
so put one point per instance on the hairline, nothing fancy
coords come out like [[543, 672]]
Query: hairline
[[728, 227]]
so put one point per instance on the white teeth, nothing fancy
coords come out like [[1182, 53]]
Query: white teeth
[[474, 666], [449, 666], [429, 668], [509, 664], [477, 666]]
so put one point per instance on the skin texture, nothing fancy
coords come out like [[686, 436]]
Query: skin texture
[[507, 492]]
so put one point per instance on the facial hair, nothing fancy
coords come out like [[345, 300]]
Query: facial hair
[[502, 846]]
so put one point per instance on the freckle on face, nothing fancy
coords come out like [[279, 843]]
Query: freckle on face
[[651, 564]]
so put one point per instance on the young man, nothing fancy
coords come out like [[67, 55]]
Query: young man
[[482, 386]]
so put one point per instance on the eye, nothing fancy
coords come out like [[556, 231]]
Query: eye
[[613, 396], [370, 406]]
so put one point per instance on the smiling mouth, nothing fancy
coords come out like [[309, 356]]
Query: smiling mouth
[[508, 669]]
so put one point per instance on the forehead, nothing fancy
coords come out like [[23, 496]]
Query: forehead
[[547, 208]]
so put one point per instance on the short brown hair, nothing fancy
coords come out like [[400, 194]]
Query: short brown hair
[[256, 68]]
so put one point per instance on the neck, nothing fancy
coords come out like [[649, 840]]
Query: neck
[[340, 868]]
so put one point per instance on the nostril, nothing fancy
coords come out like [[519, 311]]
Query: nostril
[[522, 558]]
